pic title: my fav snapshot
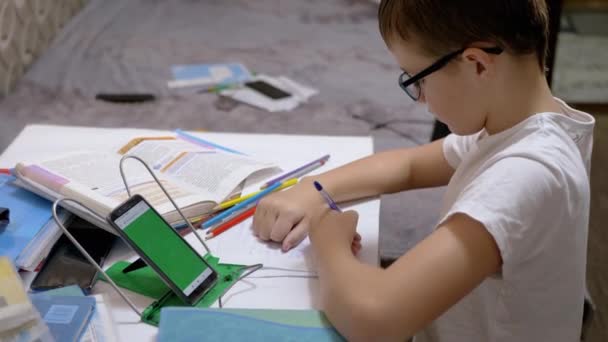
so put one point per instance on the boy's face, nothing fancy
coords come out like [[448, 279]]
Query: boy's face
[[453, 93]]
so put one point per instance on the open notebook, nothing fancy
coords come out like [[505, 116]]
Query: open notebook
[[197, 176]]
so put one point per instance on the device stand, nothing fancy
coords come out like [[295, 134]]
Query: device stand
[[138, 277], [85, 253], [146, 282]]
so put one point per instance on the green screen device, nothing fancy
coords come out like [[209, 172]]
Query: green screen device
[[163, 249]]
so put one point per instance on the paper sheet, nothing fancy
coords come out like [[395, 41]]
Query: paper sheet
[[299, 94], [101, 327], [238, 245]]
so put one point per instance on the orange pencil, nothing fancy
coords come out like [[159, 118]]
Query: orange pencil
[[222, 228]]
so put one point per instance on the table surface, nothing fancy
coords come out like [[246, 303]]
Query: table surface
[[268, 289]]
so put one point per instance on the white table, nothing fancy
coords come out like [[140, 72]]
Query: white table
[[39, 142]]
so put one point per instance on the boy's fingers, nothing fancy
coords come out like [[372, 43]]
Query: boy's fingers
[[355, 249], [259, 217], [281, 227], [265, 224], [295, 236]]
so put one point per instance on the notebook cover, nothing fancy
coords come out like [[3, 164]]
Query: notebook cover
[[196, 324], [66, 316], [212, 74], [28, 214]]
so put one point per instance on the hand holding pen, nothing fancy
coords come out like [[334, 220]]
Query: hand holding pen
[[326, 196], [356, 240]]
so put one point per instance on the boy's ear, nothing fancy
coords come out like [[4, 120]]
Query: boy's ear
[[482, 62]]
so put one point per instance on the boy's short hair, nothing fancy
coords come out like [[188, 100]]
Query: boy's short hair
[[440, 27]]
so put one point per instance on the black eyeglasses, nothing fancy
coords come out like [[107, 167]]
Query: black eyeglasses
[[411, 84]]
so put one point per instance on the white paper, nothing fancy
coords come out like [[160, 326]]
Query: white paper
[[101, 326], [299, 94], [238, 245], [214, 174]]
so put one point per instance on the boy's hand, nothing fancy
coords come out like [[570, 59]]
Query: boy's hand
[[285, 216], [334, 231]]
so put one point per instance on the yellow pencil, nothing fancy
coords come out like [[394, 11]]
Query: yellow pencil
[[230, 203]]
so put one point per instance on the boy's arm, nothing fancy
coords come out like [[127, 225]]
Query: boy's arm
[[286, 215], [389, 172], [368, 303]]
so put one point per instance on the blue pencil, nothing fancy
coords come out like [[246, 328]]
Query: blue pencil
[[241, 205], [206, 142], [297, 173]]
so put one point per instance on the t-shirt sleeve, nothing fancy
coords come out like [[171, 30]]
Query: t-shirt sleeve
[[507, 198], [456, 146]]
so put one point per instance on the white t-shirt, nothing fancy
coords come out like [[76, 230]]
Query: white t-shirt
[[529, 187]]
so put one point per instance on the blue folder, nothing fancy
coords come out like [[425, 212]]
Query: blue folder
[[196, 324], [28, 214]]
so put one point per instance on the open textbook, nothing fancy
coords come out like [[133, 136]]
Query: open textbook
[[197, 176]]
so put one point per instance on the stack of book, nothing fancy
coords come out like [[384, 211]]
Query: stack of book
[[31, 231], [95, 325], [58, 315], [19, 319]]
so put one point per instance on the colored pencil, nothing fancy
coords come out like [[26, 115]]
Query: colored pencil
[[230, 203], [239, 206], [230, 217], [204, 142], [300, 171], [235, 221]]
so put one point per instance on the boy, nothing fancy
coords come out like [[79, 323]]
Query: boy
[[507, 259]]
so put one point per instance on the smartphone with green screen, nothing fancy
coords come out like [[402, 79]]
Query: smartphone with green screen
[[162, 248]]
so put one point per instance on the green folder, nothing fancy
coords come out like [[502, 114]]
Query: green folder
[[146, 282]]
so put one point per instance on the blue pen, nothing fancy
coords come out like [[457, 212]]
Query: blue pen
[[241, 205], [326, 196]]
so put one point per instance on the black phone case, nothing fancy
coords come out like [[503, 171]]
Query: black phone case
[[268, 90], [65, 265], [125, 98]]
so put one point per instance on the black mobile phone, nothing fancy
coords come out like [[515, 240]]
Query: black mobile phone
[[65, 265], [267, 89], [163, 249]]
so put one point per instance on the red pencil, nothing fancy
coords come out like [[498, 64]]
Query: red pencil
[[5, 171], [225, 226]]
